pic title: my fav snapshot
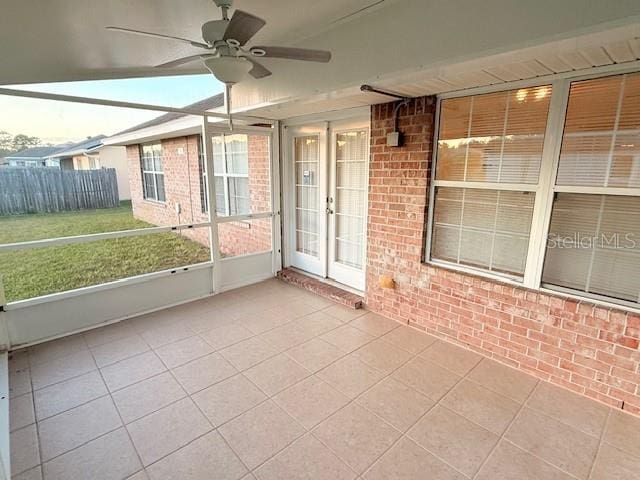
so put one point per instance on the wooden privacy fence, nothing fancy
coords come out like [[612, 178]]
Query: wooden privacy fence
[[36, 190]]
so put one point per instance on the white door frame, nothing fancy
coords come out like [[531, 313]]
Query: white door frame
[[298, 126]]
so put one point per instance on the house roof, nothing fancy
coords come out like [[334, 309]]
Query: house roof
[[39, 153], [208, 103], [84, 146]]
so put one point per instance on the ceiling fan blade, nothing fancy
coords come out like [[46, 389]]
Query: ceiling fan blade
[[242, 27], [182, 61], [258, 70], [159, 35], [292, 53]]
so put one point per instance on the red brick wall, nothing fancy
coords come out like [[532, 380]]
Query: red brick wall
[[182, 185], [587, 348]]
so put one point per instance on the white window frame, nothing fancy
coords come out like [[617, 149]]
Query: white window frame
[[153, 172], [225, 175], [544, 189]]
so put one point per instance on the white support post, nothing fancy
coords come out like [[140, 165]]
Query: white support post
[[214, 243]]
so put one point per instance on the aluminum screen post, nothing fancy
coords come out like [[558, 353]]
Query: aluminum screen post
[[214, 243]]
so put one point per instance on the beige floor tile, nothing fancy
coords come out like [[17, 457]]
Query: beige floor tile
[[132, 370], [509, 462], [350, 376], [203, 372], [374, 324], [382, 356], [65, 395], [147, 396], [570, 408], [21, 411], [490, 410], [613, 463], [70, 429], [60, 369], [24, 449], [19, 382], [398, 404], [454, 439], [110, 457], [347, 338], [109, 333], [315, 354], [113, 352], [183, 351], [318, 323], [503, 380], [426, 377], [261, 321], [311, 401], [208, 457], [33, 474], [227, 335], [409, 339], [344, 314], [276, 374], [357, 436], [211, 320], [408, 461], [18, 359], [141, 475], [296, 308], [569, 449], [287, 336], [260, 433], [623, 432], [228, 399], [165, 334], [168, 429], [248, 353], [305, 458], [55, 349], [451, 357]]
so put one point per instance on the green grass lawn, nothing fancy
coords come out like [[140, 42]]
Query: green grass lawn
[[40, 271]]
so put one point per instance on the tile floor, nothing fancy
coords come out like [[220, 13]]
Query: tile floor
[[272, 382]]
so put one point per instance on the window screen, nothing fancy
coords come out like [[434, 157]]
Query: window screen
[[152, 172], [594, 235]]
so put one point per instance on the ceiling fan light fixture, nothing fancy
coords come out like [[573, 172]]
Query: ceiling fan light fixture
[[228, 70], [258, 52]]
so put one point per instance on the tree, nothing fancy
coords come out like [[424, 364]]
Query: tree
[[22, 142], [6, 143]]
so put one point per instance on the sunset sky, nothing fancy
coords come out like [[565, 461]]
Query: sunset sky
[[58, 122]]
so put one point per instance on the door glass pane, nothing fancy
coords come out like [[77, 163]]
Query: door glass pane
[[350, 197], [307, 169]]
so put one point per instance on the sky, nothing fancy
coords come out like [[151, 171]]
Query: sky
[[59, 122]]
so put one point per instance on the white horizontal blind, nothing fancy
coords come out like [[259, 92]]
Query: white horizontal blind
[[601, 140], [594, 237], [307, 170], [484, 140], [493, 138], [349, 208], [487, 229]]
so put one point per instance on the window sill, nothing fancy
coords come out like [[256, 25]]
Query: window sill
[[155, 203], [540, 289]]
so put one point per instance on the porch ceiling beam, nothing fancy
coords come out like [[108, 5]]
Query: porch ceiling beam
[[116, 103]]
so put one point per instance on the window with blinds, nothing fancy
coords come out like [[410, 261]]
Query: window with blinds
[[594, 235], [231, 171], [485, 142]]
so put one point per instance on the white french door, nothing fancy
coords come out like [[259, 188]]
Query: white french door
[[329, 170]]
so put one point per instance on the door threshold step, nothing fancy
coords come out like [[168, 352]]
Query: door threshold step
[[331, 292]]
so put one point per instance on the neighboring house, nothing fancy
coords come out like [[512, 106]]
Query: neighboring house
[[35, 157], [91, 154], [167, 177]]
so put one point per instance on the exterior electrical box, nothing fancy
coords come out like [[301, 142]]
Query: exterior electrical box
[[394, 139]]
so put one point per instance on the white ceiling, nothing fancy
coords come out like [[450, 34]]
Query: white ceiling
[[61, 40]]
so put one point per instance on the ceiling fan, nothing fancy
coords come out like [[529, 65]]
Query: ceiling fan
[[224, 41]]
